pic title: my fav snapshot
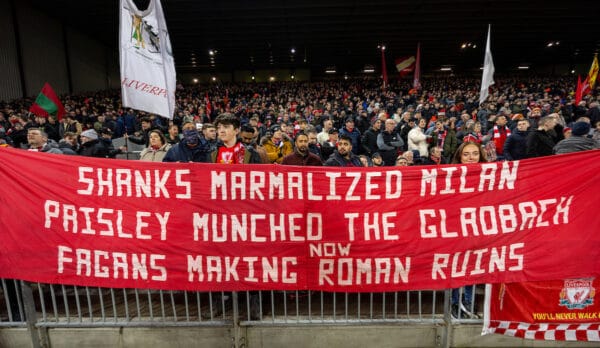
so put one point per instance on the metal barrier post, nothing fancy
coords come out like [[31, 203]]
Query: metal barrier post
[[447, 318], [39, 338], [238, 338]]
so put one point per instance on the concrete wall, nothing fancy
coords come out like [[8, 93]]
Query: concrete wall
[[42, 50], [88, 62], [10, 83], [47, 50], [306, 336]]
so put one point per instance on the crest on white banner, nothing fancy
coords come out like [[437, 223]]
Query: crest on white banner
[[147, 65]]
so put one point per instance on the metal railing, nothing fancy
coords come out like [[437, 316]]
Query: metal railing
[[40, 306], [63, 305]]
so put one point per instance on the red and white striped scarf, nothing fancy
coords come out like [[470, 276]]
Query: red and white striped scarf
[[497, 132]]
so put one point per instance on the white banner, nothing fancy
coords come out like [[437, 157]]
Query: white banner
[[488, 70], [147, 65]]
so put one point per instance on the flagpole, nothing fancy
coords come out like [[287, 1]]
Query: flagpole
[[417, 75], [383, 67]]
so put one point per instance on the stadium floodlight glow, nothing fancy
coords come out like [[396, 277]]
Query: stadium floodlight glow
[[572, 71], [272, 78], [212, 52], [195, 80], [330, 70], [292, 50], [523, 67], [253, 77], [446, 69], [369, 69], [214, 78], [292, 77]]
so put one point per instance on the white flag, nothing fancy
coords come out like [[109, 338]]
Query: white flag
[[147, 65], [488, 70]]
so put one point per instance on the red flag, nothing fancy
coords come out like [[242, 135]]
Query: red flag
[[582, 89], [383, 67], [417, 77], [208, 107], [47, 103], [405, 65]]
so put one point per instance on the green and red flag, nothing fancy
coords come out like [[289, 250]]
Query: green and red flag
[[47, 103]]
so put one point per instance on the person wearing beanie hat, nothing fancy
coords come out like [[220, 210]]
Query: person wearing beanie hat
[[580, 128], [91, 146], [90, 134], [579, 141]]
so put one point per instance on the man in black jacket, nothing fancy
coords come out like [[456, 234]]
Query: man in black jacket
[[541, 141], [343, 155], [389, 143], [369, 139], [515, 146], [91, 146]]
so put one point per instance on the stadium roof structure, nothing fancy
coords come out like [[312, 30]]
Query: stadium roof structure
[[345, 34]]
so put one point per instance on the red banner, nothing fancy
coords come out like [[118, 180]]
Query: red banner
[[562, 310], [194, 226]]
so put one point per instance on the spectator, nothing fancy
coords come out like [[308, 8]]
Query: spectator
[[353, 133], [278, 146], [158, 148], [91, 146], [173, 136], [142, 137], [248, 136], [515, 147], [68, 144], [230, 149], [343, 155], [106, 138], [369, 138], [192, 148], [301, 155], [579, 141], [402, 161], [389, 142], [209, 132], [541, 141], [38, 141], [323, 136], [435, 157], [417, 140], [313, 145], [498, 135]]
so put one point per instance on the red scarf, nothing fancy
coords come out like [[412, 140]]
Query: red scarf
[[497, 133]]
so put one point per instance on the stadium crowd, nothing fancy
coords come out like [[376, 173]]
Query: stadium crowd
[[347, 123]]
